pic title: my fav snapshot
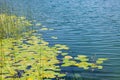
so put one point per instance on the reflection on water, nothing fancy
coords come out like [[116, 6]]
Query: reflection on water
[[87, 26]]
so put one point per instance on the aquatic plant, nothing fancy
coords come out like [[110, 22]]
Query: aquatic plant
[[12, 25], [44, 29], [38, 24], [30, 57], [82, 61], [54, 37]]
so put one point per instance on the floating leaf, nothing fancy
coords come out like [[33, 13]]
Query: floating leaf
[[64, 54], [38, 24], [68, 57], [29, 79], [82, 58], [99, 62], [102, 59], [54, 37], [93, 65], [100, 67], [44, 29]]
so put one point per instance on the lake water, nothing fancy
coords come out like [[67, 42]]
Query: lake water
[[88, 27]]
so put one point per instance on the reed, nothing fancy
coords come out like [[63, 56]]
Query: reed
[[12, 26]]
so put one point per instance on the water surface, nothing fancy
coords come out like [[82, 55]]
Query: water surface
[[89, 27]]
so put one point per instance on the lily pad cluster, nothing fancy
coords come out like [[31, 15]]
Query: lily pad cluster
[[37, 61], [32, 55], [82, 61]]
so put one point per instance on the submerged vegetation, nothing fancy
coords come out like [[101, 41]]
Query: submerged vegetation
[[30, 57]]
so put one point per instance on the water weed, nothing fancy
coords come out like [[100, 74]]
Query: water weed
[[30, 57]]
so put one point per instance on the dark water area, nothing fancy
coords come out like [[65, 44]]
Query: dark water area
[[88, 27]]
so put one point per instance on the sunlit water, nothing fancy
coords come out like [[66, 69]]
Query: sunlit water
[[89, 27]]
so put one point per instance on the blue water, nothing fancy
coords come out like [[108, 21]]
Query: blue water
[[90, 27]]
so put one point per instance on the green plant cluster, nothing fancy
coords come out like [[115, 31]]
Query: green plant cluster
[[36, 53], [84, 62], [30, 51], [12, 26], [30, 57]]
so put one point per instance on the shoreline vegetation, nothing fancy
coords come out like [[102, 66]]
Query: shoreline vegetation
[[25, 56], [12, 26]]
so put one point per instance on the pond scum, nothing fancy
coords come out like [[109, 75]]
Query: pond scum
[[25, 56]]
